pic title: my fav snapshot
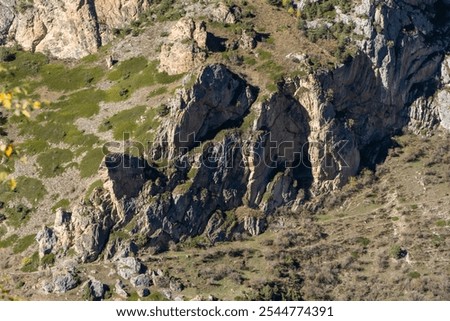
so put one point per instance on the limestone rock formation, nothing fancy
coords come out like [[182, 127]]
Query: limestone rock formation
[[224, 160], [65, 29], [95, 289], [61, 283], [356, 108], [218, 97], [120, 289], [185, 48], [223, 13], [442, 99], [47, 240], [86, 228]]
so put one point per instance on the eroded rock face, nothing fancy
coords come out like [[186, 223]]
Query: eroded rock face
[[218, 97], [223, 13], [442, 99], [61, 283], [185, 48], [65, 29], [87, 228], [47, 240], [363, 103], [228, 154]]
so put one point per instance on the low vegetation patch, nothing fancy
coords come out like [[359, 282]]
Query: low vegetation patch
[[54, 162], [92, 187], [23, 243], [90, 163], [133, 74], [9, 241], [63, 203], [61, 78], [31, 264]]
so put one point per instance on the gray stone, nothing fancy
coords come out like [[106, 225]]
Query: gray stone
[[64, 282], [47, 240], [48, 26], [141, 280], [120, 289], [128, 267], [97, 289], [48, 287], [143, 292]]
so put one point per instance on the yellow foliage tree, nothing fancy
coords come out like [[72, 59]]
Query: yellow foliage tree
[[13, 102]]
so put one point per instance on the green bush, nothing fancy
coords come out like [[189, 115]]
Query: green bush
[[48, 260], [414, 275], [7, 54], [30, 264]]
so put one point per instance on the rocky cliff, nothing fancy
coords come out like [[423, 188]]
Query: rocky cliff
[[65, 29], [223, 151]]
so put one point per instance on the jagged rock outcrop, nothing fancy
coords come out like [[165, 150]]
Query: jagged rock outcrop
[[61, 282], [94, 290], [222, 162], [223, 13], [356, 108], [65, 29], [185, 47], [46, 239], [87, 229], [120, 289], [218, 98]]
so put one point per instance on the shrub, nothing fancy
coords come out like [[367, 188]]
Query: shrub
[[7, 55], [30, 264], [48, 260], [414, 275]]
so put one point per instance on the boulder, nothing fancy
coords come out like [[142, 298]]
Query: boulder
[[128, 267], [120, 289], [47, 240], [185, 48], [65, 29], [96, 289], [64, 282], [224, 14], [247, 41], [141, 280]]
